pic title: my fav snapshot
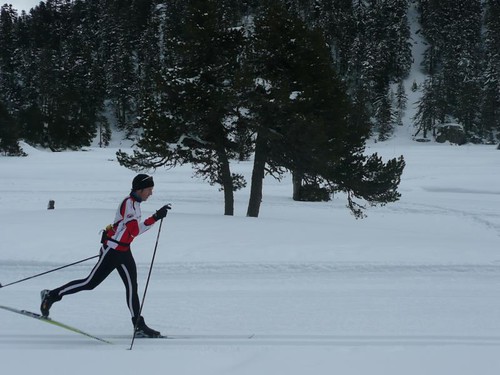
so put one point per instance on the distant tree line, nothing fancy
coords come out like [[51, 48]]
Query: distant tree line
[[298, 84], [462, 64]]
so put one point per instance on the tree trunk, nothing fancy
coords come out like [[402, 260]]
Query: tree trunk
[[297, 184], [227, 184], [259, 165]]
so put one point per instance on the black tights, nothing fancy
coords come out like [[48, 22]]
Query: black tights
[[109, 260]]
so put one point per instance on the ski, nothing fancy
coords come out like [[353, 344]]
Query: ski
[[53, 322]]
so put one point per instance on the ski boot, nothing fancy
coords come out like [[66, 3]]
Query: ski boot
[[142, 330], [47, 301]]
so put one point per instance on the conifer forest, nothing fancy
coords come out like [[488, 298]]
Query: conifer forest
[[297, 85]]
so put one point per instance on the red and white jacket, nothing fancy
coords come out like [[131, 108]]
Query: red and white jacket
[[127, 224]]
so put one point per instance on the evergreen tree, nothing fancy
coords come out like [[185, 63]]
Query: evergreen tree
[[9, 82], [490, 104], [461, 64], [453, 29], [7, 56], [384, 117], [116, 52], [191, 118], [401, 103], [335, 20], [9, 134], [273, 50], [431, 109], [303, 119], [357, 76], [380, 53], [388, 34], [401, 97]]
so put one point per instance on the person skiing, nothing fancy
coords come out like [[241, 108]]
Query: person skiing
[[115, 253]]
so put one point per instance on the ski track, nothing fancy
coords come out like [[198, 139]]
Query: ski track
[[490, 219], [255, 270], [59, 340], [215, 304]]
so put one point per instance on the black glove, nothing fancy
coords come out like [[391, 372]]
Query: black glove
[[162, 212]]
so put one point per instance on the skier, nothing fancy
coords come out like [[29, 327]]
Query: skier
[[115, 253]]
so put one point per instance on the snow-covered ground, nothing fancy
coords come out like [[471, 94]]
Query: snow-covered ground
[[412, 289]]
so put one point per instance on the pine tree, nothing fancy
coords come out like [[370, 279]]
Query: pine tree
[[384, 117], [388, 33], [190, 119], [462, 69], [303, 119], [335, 20], [8, 134], [401, 100], [380, 53], [117, 56], [9, 82], [7, 51], [490, 103], [453, 30], [431, 109], [401, 97], [64, 103], [273, 49]]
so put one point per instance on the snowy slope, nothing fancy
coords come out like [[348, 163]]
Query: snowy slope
[[411, 289]]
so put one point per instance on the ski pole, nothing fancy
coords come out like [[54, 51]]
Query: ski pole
[[146, 287], [46, 272]]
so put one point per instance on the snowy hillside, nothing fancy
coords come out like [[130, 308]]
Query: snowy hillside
[[413, 288]]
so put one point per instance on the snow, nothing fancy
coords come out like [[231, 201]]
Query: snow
[[413, 288]]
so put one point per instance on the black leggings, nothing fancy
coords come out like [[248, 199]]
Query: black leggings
[[109, 260]]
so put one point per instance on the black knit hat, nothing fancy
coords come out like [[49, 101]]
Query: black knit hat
[[142, 181]]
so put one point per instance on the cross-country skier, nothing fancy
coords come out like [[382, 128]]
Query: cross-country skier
[[115, 253]]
